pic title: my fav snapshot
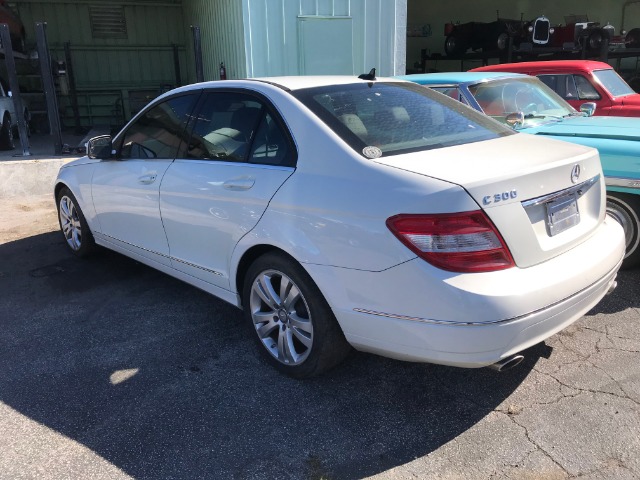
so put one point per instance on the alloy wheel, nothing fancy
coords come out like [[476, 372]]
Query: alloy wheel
[[70, 223], [281, 317]]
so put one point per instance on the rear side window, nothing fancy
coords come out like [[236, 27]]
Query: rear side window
[[453, 92], [235, 127], [271, 146], [395, 118], [159, 132]]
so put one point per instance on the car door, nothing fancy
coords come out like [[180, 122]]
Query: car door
[[239, 154], [125, 189]]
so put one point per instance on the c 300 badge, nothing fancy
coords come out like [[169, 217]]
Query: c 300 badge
[[500, 197]]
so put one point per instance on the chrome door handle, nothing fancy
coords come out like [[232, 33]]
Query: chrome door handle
[[239, 184], [147, 179]]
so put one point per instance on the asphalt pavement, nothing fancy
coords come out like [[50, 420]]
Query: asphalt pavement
[[110, 369]]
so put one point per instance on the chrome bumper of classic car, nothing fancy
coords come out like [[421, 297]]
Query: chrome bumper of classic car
[[622, 182]]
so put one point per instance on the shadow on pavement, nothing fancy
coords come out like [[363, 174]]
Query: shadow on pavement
[[163, 380], [623, 297]]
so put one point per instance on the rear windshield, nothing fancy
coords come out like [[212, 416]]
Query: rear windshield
[[382, 119], [613, 83]]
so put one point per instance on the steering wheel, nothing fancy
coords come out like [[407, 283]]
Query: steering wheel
[[509, 94], [516, 98]]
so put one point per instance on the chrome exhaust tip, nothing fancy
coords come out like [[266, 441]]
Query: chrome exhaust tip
[[506, 363], [612, 287]]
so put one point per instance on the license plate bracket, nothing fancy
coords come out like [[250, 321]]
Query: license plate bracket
[[562, 214]]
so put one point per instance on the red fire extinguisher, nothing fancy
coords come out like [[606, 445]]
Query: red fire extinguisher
[[223, 71]]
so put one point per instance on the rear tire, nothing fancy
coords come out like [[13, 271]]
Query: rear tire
[[632, 40], [625, 208], [294, 326], [6, 135], [594, 40]]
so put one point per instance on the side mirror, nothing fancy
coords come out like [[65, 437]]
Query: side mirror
[[515, 120], [100, 147], [9, 94], [588, 108]]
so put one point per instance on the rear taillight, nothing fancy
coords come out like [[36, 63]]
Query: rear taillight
[[457, 242]]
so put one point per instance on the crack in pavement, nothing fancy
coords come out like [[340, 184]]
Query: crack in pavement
[[587, 359], [535, 444]]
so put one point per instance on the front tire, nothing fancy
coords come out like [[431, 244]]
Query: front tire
[[625, 208], [502, 42], [73, 225], [295, 328], [454, 45]]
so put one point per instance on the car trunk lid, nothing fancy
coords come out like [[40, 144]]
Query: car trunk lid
[[544, 196]]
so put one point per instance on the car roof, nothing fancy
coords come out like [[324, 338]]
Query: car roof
[[310, 81], [288, 83], [457, 77], [573, 65]]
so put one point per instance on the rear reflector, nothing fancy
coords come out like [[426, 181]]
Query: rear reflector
[[457, 242]]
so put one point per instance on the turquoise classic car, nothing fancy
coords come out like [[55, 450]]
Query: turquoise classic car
[[529, 106]]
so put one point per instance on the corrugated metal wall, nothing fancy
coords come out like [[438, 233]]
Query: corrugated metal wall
[[272, 34], [144, 58], [114, 76], [222, 36]]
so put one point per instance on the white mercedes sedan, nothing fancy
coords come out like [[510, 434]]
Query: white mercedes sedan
[[343, 212]]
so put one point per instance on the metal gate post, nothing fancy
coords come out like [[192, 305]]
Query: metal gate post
[[73, 93], [15, 88], [49, 86], [197, 50]]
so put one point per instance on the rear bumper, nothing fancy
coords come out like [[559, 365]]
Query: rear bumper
[[487, 343], [415, 312]]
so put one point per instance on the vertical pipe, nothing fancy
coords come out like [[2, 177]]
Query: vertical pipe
[[49, 86], [15, 88], [197, 49], [604, 48], [73, 93], [176, 64]]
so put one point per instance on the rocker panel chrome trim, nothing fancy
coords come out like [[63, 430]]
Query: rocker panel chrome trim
[[163, 255]]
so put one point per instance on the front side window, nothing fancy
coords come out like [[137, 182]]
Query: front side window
[[158, 132], [397, 118], [613, 83]]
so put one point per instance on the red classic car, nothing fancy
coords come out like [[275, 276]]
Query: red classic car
[[580, 81]]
